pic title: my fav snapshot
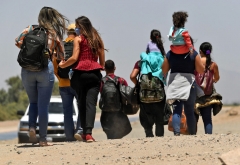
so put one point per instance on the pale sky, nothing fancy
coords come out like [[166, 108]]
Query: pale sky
[[125, 27]]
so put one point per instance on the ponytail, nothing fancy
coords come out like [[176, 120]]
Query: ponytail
[[160, 46], [156, 38], [206, 49], [209, 59]]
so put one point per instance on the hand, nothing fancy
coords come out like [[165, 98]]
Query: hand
[[191, 52], [61, 64]]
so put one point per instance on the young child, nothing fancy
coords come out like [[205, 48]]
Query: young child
[[152, 60], [182, 42], [178, 34], [155, 45]]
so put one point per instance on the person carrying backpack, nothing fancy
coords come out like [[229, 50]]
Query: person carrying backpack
[[152, 95], [114, 122], [37, 44], [65, 90]]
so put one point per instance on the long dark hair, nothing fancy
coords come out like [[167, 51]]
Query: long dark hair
[[91, 34], [156, 38], [206, 49]]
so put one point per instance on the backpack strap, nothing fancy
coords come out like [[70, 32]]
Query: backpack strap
[[115, 79], [104, 79], [46, 49], [46, 42]]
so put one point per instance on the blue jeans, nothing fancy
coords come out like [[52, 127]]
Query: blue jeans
[[38, 86], [189, 112], [206, 113], [67, 95]]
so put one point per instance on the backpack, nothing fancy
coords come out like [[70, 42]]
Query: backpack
[[205, 81], [63, 72], [151, 89], [110, 100], [34, 53], [129, 98]]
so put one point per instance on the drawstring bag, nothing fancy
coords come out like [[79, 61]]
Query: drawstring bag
[[183, 124], [205, 80]]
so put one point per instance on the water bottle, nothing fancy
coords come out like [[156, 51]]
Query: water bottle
[[70, 74]]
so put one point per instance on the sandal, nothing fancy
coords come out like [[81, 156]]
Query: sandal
[[32, 136], [45, 144]]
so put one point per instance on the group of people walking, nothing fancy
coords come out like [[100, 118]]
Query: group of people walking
[[84, 65]]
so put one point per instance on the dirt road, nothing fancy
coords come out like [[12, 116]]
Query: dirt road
[[135, 149]]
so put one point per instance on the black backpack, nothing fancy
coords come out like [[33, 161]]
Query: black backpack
[[34, 53], [110, 100], [63, 72]]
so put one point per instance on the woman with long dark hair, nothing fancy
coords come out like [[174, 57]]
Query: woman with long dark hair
[[39, 84], [212, 67], [86, 79], [150, 65]]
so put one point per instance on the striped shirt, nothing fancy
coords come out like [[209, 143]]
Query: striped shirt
[[54, 43]]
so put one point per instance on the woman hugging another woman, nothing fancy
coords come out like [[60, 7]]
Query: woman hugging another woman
[[86, 79]]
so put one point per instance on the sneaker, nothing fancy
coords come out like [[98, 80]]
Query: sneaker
[[89, 138], [78, 137], [32, 136], [176, 134]]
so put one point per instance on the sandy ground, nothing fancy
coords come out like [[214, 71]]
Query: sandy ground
[[8, 126], [133, 149]]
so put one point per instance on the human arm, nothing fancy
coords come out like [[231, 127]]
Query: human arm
[[101, 55], [199, 67], [216, 75], [188, 41], [165, 67], [135, 72], [133, 75], [19, 39], [75, 55]]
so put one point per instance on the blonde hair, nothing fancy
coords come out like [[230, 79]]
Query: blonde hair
[[53, 21]]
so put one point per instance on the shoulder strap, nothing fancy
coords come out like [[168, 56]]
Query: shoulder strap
[[115, 79], [104, 79]]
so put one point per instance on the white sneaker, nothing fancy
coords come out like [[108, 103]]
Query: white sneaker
[[78, 137]]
